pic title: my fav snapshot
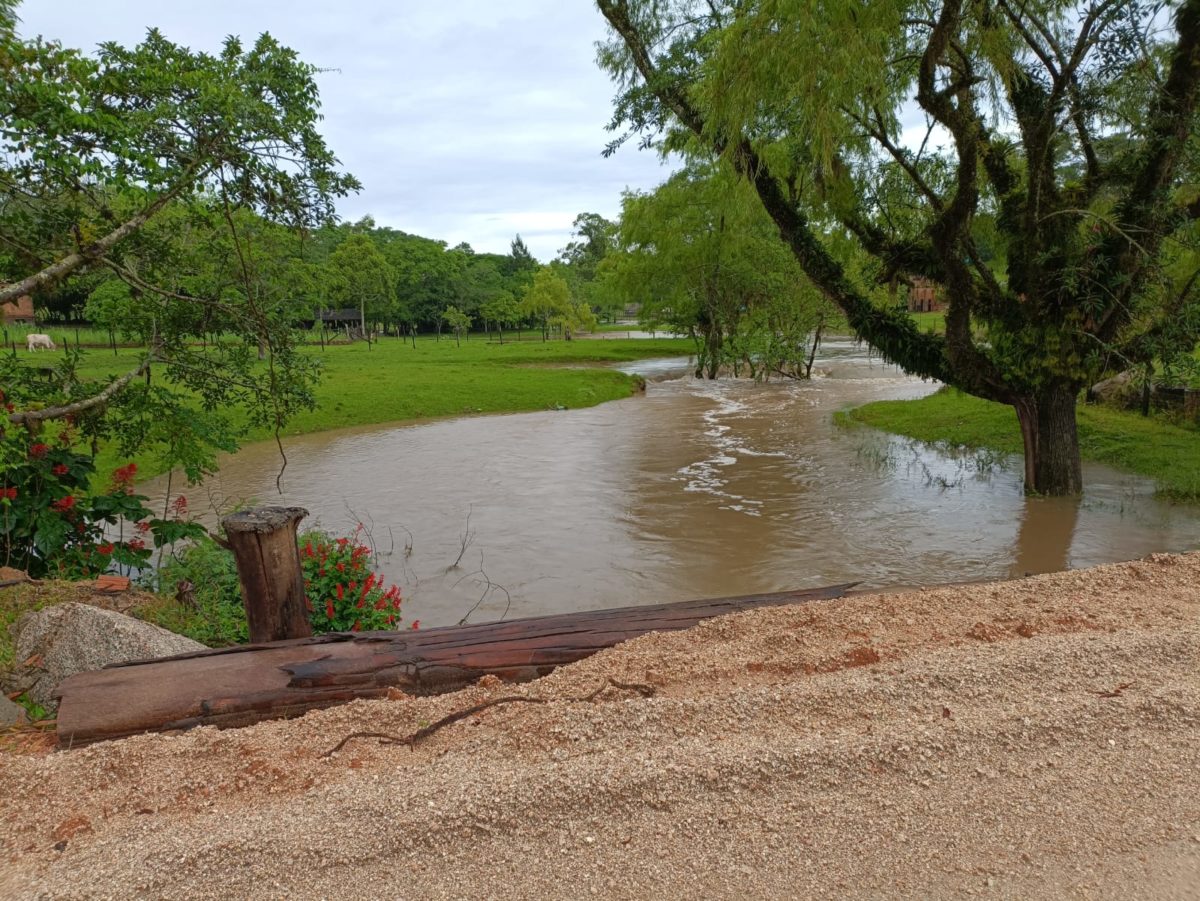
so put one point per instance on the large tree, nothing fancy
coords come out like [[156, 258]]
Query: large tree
[[1060, 132], [98, 151]]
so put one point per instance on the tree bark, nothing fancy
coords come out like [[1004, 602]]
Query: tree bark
[[243, 685], [263, 542], [1051, 441]]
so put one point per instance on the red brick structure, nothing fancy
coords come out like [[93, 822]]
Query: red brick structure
[[19, 311], [925, 296]]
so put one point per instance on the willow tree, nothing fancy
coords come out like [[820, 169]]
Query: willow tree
[[1068, 127], [699, 254]]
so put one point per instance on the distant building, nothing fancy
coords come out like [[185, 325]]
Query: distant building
[[347, 317], [19, 311], [925, 296]]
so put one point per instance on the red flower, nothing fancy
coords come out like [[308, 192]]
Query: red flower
[[179, 506], [416, 624], [357, 625], [143, 527], [123, 477], [308, 551], [39, 450], [63, 504], [8, 494], [105, 548], [340, 592], [137, 544], [329, 608], [341, 567], [59, 469]]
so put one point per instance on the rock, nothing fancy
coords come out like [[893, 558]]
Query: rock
[[10, 713], [1116, 391], [60, 641]]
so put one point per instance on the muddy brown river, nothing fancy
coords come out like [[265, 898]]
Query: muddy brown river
[[693, 489]]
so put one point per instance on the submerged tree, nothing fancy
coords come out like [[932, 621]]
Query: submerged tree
[[700, 255], [1053, 215]]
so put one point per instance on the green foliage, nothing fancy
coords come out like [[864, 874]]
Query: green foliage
[[547, 298], [183, 175], [1053, 196], [111, 306], [53, 524], [363, 277], [344, 595], [204, 574], [457, 320], [702, 257]]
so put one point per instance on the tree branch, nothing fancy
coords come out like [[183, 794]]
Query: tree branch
[[72, 262], [28, 417]]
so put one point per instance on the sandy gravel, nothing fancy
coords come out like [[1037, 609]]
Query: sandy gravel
[[943, 743]]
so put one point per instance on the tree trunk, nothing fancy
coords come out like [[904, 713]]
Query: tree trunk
[[263, 542], [1051, 441], [246, 684]]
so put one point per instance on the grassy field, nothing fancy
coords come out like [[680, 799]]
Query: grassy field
[[1167, 453], [393, 381]]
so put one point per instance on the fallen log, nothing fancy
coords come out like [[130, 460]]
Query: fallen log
[[243, 685]]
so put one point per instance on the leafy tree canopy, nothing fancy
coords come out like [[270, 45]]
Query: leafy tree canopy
[[1053, 195]]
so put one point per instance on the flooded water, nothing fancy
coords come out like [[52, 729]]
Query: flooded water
[[693, 489]]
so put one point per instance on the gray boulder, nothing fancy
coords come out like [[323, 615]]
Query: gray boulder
[[60, 641], [10, 713], [1117, 391]]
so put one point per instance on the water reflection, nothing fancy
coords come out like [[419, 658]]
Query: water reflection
[[692, 489]]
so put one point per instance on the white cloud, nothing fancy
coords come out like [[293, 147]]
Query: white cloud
[[465, 121]]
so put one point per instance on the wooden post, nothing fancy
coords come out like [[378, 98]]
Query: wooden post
[[263, 542]]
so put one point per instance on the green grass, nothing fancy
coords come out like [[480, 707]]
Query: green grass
[[1149, 446], [930, 322], [60, 335], [393, 382]]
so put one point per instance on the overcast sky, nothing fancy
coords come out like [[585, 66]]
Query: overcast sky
[[465, 120]]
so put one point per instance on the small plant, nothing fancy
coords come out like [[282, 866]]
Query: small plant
[[207, 605], [344, 595]]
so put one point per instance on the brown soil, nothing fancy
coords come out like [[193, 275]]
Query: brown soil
[[1029, 739]]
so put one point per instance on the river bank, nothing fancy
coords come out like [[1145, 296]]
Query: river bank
[[1034, 738], [1149, 446], [393, 382]]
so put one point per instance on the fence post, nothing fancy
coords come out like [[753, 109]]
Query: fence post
[[263, 541]]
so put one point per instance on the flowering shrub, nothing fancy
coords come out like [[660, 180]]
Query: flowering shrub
[[344, 595], [53, 524]]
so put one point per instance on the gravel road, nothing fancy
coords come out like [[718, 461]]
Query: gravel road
[[1029, 739]]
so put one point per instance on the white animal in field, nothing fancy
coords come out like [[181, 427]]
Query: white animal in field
[[34, 342]]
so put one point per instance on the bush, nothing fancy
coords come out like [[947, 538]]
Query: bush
[[52, 524], [208, 600], [344, 595]]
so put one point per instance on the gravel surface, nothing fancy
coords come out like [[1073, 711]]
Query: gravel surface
[[1028, 739]]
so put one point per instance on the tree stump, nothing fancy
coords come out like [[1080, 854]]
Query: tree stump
[[263, 542]]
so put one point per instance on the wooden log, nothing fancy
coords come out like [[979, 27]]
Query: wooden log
[[244, 685], [263, 542]]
